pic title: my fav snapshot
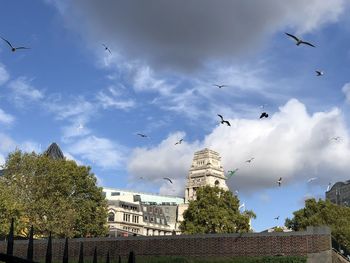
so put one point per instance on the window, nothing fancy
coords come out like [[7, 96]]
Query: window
[[135, 219], [115, 193], [110, 217], [137, 198], [144, 208], [152, 219], [157, 220], [146, 218]]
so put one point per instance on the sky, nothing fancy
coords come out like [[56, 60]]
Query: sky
[[158, 77]]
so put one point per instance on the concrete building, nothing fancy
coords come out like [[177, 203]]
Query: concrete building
[[139, 213], [206, 169], [147, 214], [339, 193]]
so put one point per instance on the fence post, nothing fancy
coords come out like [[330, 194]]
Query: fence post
[[65, 252], [95, 256], [10, 239], [81, 253], [48, 258], [131, 257], [30, 244], [107, 259], [119, 259]]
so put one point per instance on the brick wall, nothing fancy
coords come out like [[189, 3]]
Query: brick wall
[[314, 240]]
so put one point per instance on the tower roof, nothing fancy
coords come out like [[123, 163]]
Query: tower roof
[[54, 151]]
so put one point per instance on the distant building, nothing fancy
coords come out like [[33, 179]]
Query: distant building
[[151, 214], [206, 169], [277, 229], [339, 193], [139, 213], [54, 152]]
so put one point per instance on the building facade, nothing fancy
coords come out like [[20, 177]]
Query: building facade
[[206, 169], [339, 193], [137, 213]]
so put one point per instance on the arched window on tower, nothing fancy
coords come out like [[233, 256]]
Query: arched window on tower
[[217, 183], [110, 217]]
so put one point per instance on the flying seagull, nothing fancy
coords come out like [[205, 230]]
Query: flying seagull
[[107, 48], [335, 138], [264, 115], [179, 142], [231, 173], [223, 121], [81, 126], [142, 135], [250, 160], [319, 73], [277, 218], [299, 41], [13, 49], [311, 179], [166, 178], [219, 86], [279, 181]]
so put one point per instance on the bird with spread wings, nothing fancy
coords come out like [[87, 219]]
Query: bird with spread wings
[[223, 121], [299, 41], [13, 49], [166, 178]]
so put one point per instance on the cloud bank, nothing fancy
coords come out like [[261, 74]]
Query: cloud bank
[[186, 34], [292, 144]]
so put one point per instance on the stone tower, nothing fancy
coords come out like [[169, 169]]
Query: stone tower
[[206, 169]]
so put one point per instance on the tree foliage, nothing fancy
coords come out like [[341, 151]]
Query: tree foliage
[[215, 211], [52, 195], [323, 213]]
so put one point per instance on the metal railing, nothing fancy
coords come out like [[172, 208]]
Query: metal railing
[[10, 258]]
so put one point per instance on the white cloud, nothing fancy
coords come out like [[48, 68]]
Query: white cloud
[[72, 158], [144, 79], [23, 91], [6, 118], [78, 109], [346, 91], [113, 100], [4, 75], [292, 144], [100, 151], [6, 143], [164, 160], [30, 146], [73, 131]]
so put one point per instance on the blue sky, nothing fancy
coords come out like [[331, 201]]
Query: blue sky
[[159, 79]]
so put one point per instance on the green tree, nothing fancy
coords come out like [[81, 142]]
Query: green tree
[[53, 195], [323, 213], [215, 211]]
